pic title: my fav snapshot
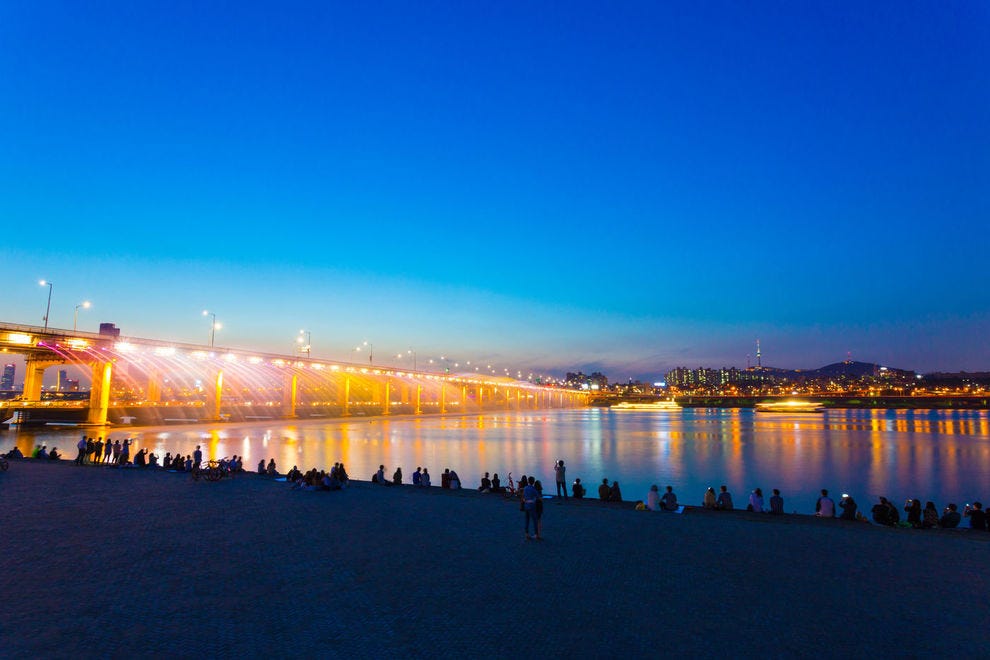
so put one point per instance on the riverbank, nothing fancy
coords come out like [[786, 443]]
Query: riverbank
[[118, 562]]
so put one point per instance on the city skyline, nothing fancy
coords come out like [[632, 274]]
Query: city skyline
[[551, 188]]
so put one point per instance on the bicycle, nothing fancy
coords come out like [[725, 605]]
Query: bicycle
[[211, 470]]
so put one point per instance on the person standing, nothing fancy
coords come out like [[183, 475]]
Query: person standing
[[81, 446], [529, 508], [559, 475], [197, 457], [107, 450]]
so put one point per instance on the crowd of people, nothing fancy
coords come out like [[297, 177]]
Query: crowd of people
[[117, 453]]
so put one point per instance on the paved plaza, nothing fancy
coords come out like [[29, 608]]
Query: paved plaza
[[101, 562]]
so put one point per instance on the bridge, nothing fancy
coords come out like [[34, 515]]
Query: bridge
[[151, 381]]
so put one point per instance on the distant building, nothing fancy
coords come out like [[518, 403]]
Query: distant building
[[109, 329], [7, 380]]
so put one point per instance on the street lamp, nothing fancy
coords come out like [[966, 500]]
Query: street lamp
[[48, 309], [413, 354], [307, 345], [214, 326], [371, 351], [75, 317]]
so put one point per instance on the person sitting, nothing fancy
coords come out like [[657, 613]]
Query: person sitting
[[776, 503], [653, 499], [603, 491], [913, 508], [261, 466], [272, 472], [848, 506], [950, 517], [756, 501], [577, 489], [379, 477], [397, 477], [825, 507], [929, 516], [977, 516], [497, 484], [724, 501], [42, 452], [417, 477], [331, 482], [486, 484], [152, 459], [293, 474], [167, 461], [188, 465], [14, 453], [614, 494], [885, 513], [709, 500], [445, 478], [54, 455], [425, 480], [455, 481], [139, 458], [669, 500]]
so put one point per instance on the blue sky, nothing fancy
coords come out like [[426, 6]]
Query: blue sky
[[544, 186]]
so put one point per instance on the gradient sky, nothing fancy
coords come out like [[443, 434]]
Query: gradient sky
[[544, 186]]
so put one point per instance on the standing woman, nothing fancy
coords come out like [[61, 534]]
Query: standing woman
[[539, 509]]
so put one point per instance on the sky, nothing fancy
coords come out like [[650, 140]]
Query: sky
[[542, 186]]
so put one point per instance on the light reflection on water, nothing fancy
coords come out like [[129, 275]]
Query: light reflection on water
[[941, 456]]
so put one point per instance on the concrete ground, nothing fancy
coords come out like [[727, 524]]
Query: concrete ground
[[101, 562]]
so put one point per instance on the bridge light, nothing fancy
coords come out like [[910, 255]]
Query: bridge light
[[124, 347], [19, 338], [77, 344]]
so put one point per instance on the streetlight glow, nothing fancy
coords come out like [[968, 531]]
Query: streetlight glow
[[75, 316]]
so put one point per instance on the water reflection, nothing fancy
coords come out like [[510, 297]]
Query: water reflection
[[942, 456]]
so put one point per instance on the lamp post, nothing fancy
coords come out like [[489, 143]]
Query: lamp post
[[413, 354], [371, 351], [213, 324], [307, 345], [75, 317], [48, 309]]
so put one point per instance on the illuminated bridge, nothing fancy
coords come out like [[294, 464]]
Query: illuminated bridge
[[148, 381]]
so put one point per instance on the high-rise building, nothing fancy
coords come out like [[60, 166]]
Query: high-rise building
[[7, 380]]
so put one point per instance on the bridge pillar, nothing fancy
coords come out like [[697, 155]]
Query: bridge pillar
[[387, 398], [99, 392], [481, 397], [463, 398], [419, 396], [34, 377], [290, 392], [443, 397]]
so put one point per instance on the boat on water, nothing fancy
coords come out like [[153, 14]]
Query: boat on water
[[647, 405], [790, 406]]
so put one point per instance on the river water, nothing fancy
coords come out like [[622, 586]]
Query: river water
[[943, 456]]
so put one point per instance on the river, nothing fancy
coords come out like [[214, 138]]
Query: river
[[943, 456]]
